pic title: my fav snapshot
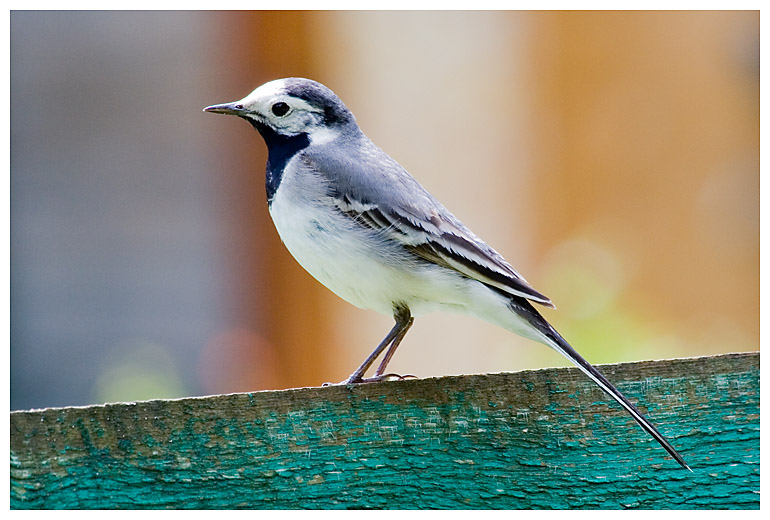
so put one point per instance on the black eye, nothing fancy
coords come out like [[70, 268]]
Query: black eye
[[280, 108]]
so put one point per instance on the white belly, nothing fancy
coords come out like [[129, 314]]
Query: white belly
[[358, 265]]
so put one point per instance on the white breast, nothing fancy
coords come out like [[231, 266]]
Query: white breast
[[355, 262]]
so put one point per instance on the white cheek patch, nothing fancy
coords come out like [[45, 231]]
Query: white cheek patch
[[322, 135]]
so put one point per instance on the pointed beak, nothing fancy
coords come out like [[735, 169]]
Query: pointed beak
[[230, 109]]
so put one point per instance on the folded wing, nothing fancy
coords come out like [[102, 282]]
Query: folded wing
[[436, 236]]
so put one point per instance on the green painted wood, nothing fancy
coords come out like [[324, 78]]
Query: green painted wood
[[535, 439]]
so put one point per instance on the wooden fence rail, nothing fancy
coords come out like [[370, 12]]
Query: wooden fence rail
[[534, 439]]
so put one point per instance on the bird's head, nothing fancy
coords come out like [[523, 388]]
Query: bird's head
[[290, 107]]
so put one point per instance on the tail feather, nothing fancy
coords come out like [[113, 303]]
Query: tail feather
[[558, 343]]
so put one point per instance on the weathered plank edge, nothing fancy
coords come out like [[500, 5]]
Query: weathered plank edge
[[739, 470], [644, 369]]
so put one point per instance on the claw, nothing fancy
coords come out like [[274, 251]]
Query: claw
[[375, 379], [397, 377]]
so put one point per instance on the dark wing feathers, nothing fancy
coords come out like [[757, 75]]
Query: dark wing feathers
[[444, 242]]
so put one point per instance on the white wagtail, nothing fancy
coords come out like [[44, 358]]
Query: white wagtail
[[365, 228]]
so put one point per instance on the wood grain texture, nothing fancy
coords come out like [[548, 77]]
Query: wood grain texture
[[534, 439]]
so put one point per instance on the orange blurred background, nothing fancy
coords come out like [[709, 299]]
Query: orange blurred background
[[611, 157]]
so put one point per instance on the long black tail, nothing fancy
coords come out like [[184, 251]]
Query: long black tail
[[554, 340]]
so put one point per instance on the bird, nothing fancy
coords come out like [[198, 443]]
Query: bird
[[366, 229]]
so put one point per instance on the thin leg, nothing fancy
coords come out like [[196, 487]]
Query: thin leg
[[392, 349], [403, 321]]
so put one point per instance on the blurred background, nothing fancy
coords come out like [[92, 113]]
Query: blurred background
[[611, 157]]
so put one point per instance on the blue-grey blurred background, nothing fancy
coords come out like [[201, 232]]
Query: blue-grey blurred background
[[116, 244], [613, 158]]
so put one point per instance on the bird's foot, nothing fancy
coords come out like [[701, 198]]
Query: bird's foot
[[387, 377], [375, 379]]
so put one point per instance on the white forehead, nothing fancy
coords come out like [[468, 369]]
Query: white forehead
[[269, 90], [273, 91]]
